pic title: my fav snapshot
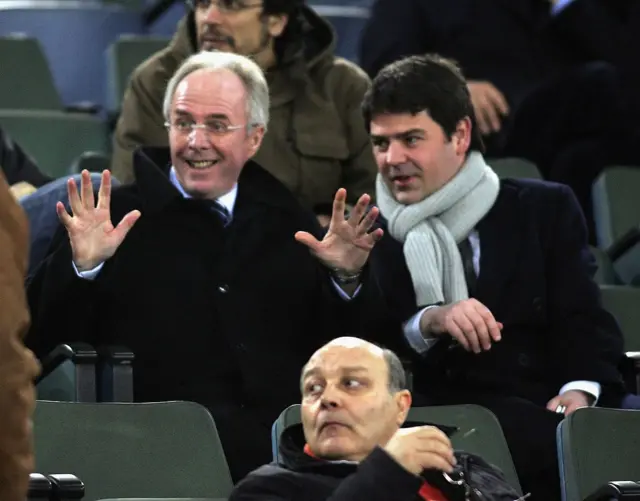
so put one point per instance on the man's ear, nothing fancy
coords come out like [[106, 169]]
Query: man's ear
[[462, 136], [403, 402], [276, 24], [255, 139]]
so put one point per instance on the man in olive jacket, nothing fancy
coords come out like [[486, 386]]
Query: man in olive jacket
[[317, 141]]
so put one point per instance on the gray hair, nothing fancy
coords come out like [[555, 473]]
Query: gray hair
[[249, 72], [397, 375]]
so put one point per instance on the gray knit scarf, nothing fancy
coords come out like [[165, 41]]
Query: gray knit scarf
[[431, 229]]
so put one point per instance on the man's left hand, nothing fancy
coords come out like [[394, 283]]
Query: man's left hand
[[348, 242], [571, 400]]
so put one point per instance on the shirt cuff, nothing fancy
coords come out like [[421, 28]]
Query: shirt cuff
[[414, 336], [559, 6], [89, 274], [342, 293], [590, 387]]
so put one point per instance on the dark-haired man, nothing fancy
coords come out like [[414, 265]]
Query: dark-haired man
[[316, 142], [497, 288]]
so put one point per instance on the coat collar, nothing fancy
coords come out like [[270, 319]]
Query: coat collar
[[255, 185]]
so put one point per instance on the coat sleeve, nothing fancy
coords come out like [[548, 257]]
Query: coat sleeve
[[140, 122], [378, 478], [602, 30], [586, 340], [18, 367]]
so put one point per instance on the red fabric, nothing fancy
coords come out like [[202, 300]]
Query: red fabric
[[426, 492]]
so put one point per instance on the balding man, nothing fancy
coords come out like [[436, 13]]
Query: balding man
[[18, 367], [354, 403]]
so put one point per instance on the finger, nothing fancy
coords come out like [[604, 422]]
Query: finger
[[74, 198], [491, 326], [498, 100], [492, 116], [339, 202], [308, 239], [63, 215], [554, 403], [104, 194], [430, 460], [468, 332], [483, 124], [436, 435], [480, 327], [368, 221], [572, 407], [124, 226], [456, 333], [355, 218], [88, 201], [435, 447]]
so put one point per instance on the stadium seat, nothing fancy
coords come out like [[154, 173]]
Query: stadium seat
[[74, 37], [68, 374], [479, 432], [595, 446], [55, 139], [616, 211], [518, 168], [123, 57], [348, 20], [26, 86], [124, 450]]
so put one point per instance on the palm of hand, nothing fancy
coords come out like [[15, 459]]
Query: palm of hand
[[91, 235], [342, 247]]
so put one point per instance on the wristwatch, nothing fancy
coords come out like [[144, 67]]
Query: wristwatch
[[343, 277]]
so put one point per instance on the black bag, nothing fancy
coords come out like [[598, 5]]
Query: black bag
[[472, 480]]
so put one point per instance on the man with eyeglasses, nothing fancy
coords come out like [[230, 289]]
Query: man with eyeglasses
[[213, 275], [317, 141]]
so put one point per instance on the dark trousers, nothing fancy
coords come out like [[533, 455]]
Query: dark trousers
[[572, 126], [530, 431]]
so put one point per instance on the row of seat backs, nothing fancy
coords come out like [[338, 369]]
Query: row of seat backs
[[172, 449]]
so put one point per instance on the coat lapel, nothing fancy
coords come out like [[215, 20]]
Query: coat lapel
[[501, 239]]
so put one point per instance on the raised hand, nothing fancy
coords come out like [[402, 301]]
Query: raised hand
[[348, 242], [92, 235]]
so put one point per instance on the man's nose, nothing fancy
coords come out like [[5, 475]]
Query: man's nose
[[395, 154], [331, 397], [213, 15], [199, 138]]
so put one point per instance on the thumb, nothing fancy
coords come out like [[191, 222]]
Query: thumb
[[120, 231], [554, 403], [307, 239]]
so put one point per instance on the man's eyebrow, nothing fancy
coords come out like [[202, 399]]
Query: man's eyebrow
[[348, 369], [213, 116], [398, 135]]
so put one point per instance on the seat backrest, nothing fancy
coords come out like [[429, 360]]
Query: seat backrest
[[26, 81], [623, 302], [123, 57], [55, 139], [513, 167], [616, 205], [168, 449], [596, 446], [479, 432]]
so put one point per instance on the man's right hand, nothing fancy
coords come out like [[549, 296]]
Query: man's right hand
[[421, 448], [92, 235], [489, 105], [468, 321]]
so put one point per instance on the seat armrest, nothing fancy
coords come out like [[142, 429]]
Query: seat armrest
[[66, 487], [619, 490], [624, 243], [39, 488], [115, 374], [78, 353], [86, 107]]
